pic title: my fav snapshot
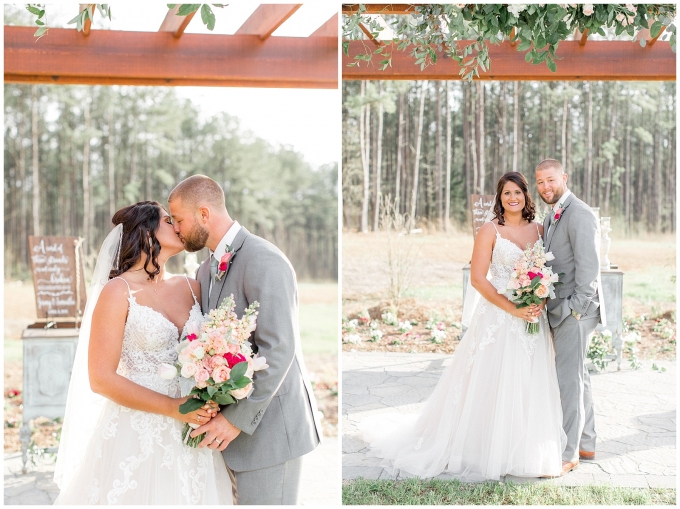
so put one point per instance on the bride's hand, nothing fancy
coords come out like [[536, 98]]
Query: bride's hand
[[199, 416], [528, 313], [542, 305]]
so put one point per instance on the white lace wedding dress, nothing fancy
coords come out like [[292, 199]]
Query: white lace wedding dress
[[138, 457], [496, 409]]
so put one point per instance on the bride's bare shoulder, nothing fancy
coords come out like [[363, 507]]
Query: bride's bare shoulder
[[488, 229]]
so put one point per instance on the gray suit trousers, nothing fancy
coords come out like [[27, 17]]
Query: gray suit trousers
[[572, 339], [275, 485]]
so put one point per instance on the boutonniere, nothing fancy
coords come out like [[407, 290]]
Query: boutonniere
[[225, 261], [558, 214]]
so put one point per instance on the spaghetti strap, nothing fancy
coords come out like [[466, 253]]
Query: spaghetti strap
[[538, 231], [495, 227], [126, 283], [190, 288]]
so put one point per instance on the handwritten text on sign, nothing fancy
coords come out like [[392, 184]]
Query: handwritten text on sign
[[53, 261], [480, 204]]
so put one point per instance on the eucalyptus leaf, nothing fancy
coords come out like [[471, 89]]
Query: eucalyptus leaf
[[186, 9]]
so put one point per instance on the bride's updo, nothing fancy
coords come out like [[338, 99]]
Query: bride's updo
[[529, 210], [140, 223]]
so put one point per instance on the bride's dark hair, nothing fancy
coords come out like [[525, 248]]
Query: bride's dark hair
[[529, 210], [140, 223]]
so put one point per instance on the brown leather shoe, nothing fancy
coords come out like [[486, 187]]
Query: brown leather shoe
[[566, 467], [586, 455]]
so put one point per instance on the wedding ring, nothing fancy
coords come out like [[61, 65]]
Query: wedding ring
[[218, 441], [199, 418]]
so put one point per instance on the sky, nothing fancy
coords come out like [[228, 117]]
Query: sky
[[309, 120]]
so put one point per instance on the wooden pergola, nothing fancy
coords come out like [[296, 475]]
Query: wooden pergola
[[249, 58], [580, 59]]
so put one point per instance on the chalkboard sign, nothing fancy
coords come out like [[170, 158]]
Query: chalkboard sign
[[55, 279], [480, 204]]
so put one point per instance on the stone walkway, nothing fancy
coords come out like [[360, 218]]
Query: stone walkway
[[320, 479], [634, 416]]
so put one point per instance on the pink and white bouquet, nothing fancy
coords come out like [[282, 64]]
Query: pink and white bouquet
[[532, 280], [216, 358]]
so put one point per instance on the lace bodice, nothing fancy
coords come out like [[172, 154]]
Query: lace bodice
[[503, 257], [150, 339]]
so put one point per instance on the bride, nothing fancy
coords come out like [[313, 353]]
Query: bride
[[496, 410], [121, 440]]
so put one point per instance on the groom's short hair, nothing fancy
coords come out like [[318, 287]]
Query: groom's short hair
[[547, 164], [198, 190]]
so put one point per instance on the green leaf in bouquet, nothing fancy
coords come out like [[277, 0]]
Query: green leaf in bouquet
[[211, 390], [224, 399], [190, 405], [238, 371], [205, 396], [244, 380]]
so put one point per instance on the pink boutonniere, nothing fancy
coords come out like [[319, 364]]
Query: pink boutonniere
[[225, 261], [558, 214]]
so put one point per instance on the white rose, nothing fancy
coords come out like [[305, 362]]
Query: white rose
[[588, 9], [199, 353], [549, 256], [242, 393], [189, 370], [167, 371]]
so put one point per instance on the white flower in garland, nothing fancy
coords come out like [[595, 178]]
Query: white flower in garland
[[517, 8], [588, 9]]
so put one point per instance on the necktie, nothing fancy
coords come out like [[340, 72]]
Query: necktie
[[213, 267]]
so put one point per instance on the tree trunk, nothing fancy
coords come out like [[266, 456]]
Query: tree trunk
[[565, 112], [515, 130], [87, 216], [447, 182], [23, 216], [627, 181], [36, 170], [588, 177], [466, 142], [481, 145], [400, 148], [504, 132], [655, 199], [378, 161], [438, 158], [610, 163], [414, 196], [112, 173], [364, 118]]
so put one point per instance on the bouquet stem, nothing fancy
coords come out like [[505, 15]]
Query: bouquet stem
[[188, 440], [532, 327]]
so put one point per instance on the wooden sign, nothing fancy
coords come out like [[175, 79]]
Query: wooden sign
[[55, 279], [480, 205]]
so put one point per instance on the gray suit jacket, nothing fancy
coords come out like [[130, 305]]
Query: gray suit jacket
[[575, 242], [278, 422]]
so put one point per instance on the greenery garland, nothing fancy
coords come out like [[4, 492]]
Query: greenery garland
[[537, 29], [87, 12]]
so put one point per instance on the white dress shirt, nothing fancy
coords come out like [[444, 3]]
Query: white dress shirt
[[227, 240]]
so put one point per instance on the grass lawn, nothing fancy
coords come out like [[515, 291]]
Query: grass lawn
[[441, 492]]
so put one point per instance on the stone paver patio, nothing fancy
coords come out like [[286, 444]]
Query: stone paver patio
[[320, 479], [634, 416]]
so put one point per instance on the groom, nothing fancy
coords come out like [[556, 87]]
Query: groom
[[263, 437], [571, 233]]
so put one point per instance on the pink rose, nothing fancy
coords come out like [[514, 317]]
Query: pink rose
[[234, 359], [234, 348], [242, 393], [224, 261], [542, 291], [201, 377], [221, 374], [217, 361]]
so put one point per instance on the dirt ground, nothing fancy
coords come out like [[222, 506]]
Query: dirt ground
[[20, 311], [436, 289]]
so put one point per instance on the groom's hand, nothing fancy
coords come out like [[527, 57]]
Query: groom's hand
[[219, 432]]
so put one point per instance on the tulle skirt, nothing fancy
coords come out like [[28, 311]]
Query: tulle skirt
[[138, 457], [496, 410]]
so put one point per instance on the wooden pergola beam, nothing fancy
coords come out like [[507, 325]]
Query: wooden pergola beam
[[174, 23], [381, 8], [368, 34], [156, 58], [644, 34], [266, 19], [601, 60], [328, 29]]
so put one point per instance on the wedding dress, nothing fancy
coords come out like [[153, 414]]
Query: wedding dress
[[496, 409], [137, 457]]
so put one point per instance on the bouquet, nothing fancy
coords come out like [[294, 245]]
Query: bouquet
[[531, 280], [216, 359]]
